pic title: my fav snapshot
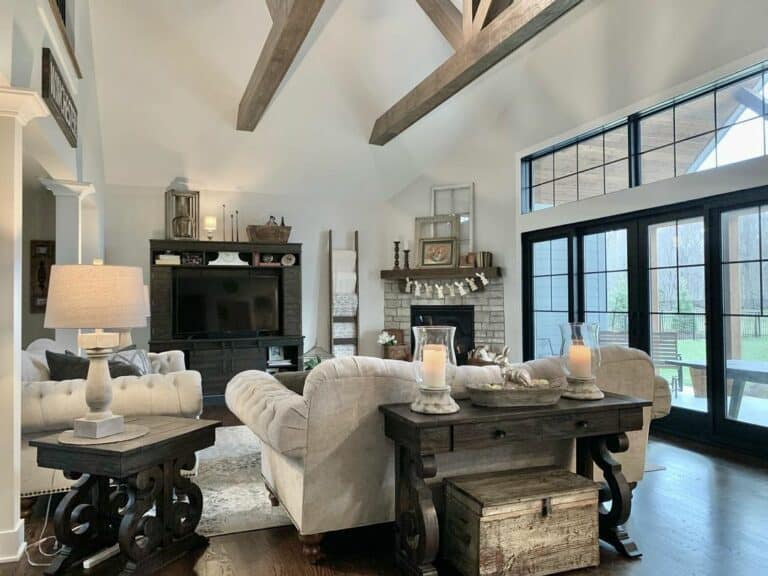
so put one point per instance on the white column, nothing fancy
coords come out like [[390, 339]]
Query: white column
[[69, 233], [17, 107]]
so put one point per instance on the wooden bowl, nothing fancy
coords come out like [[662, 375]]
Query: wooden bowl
[[508, 397]]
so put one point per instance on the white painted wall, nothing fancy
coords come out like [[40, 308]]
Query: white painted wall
[[604, 59], [26, 26], [134, 215]]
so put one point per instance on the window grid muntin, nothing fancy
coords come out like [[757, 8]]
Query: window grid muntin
[[761, 262], [633, 134]]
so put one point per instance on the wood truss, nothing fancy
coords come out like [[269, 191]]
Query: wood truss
[[482, 35], [291, 22]]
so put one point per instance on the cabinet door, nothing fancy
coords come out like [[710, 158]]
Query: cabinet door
[[248, 359], [161, 304], [292, 301], [213, 367]]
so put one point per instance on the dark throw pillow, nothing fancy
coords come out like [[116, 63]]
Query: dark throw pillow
[[69, 366]]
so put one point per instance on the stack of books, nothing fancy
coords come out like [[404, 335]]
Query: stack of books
[[168, 260]]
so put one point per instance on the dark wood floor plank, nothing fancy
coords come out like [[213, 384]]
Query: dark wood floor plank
[[705, 515]]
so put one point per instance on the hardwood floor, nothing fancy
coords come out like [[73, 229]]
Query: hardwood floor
[[704, 515]]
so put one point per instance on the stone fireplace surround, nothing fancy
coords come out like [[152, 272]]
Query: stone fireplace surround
[[488, 304]]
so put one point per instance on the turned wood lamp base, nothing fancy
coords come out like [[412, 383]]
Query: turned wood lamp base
[[99, 423]]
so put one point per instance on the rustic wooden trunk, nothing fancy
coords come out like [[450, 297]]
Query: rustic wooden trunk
[[532, 522]]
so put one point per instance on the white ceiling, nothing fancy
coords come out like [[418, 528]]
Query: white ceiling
[[170, 75]]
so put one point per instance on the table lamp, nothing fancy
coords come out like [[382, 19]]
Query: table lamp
[[209, 225], [93, 297]]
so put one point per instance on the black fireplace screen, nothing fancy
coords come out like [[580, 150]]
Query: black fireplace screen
[[462, 317]]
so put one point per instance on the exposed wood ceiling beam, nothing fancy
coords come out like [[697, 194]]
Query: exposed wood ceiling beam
[[293, 20], [512, 28], [497, 7], [447, 18], [278, 9], [480, 16], [468, 16]]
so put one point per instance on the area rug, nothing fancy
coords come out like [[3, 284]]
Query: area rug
[[235, 498]]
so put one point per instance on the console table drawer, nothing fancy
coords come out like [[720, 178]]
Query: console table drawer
[[574, 426], [468, 436]]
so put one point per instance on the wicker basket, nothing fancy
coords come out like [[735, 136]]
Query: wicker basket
[[268, 234]]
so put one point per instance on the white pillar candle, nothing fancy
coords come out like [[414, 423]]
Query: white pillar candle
[[433, 366], [580, 361]]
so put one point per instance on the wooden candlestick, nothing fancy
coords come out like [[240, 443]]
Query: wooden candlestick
[[397, 255], [406, 263]]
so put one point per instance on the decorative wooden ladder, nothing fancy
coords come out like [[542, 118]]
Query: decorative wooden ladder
[[347, 318]]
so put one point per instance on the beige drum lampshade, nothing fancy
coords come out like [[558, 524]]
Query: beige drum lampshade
[[92, 296]]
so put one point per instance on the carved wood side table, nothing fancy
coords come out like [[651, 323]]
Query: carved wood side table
[[118, 484], [599, 428]]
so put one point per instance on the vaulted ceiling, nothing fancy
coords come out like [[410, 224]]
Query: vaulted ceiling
[[170, 75]]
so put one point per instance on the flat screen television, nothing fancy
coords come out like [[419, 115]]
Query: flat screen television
[[228, 303]]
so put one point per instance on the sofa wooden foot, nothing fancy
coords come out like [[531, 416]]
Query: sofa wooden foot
[[26, 506], [310, 547], [272, 498]]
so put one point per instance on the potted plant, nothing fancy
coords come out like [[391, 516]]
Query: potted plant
[[392, 347]]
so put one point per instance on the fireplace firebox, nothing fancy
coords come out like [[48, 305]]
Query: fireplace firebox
[[462, 317]]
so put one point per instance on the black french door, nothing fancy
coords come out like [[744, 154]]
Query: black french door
[[686, 283]]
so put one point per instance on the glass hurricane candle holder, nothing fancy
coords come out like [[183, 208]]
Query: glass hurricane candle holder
[[433, 352], [580, 358]]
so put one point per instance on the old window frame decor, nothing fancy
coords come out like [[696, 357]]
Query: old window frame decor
[[458, 200], [426, 243], [429, 227]]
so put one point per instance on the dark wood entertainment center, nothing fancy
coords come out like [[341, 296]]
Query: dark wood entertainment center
[[218, 358]]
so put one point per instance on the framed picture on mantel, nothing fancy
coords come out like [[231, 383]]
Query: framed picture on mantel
[[438, 253]]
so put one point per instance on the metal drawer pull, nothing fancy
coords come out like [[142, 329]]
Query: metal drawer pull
[[499, 434], [582, 424], [546, 507]]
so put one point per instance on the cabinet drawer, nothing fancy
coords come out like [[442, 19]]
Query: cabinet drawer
[[574, 425], [467, 436]]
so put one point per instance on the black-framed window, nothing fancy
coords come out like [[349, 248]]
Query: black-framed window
[[719, 124], [551, 293], [744, 263], [605, 283], [697, 275], [593, 165]]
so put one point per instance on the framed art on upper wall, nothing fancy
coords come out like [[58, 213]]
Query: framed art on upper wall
[[42, 257], [457, 200]]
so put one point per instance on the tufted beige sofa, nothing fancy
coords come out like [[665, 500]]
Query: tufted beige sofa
[[325, 455], [48, 406]]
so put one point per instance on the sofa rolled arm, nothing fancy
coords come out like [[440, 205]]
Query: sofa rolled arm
[[53, 405], [167, 362], [277, 415]]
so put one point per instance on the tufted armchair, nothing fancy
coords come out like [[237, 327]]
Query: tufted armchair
[[48, 406], [325, 456]]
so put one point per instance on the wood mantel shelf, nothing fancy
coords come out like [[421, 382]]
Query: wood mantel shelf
[[421, 273]]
